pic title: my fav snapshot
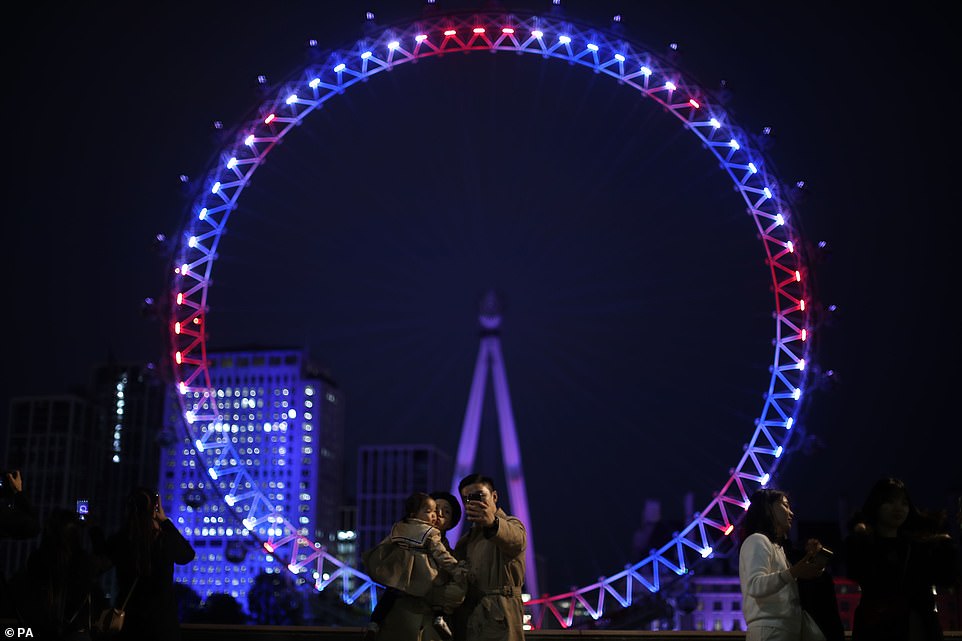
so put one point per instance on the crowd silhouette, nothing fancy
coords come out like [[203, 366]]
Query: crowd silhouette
[[57, 592], [902, 557]]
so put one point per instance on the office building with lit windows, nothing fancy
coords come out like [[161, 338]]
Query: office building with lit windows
[[285, 418], [345, 549], [128, 401], [386, 476]]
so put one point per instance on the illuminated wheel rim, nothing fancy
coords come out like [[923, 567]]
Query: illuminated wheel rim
[[627, 63]]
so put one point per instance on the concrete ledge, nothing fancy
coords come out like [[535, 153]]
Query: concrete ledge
[[201, 632], [204, 632]]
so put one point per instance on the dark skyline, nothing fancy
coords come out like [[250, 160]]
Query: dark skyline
[[637, 322]]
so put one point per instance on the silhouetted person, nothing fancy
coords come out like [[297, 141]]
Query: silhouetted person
[[274, 599], [56, 593], [144, 552], [18, 521], [899, 555], [18, 518], [221, 608]]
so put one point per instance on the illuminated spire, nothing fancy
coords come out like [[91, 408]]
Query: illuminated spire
[[490, 359]]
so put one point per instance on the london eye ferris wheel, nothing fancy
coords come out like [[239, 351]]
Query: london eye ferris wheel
[[587, 49]]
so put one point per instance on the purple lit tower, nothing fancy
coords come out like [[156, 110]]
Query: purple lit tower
[[490, 359]]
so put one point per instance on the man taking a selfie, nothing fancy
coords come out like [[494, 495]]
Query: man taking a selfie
[[494, 547]]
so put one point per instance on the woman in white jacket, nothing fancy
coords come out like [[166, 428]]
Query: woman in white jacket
[[769, 590]]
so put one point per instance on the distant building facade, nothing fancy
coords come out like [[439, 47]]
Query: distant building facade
[[386, 476], [52, 441], [128, 402], [94, 445], [286, 420], [346, 548], [718, 604]]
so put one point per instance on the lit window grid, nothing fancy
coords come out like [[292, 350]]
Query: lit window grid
[[211, 522]]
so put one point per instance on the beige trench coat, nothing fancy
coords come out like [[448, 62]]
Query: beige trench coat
[[412, 559], [411, 618], [493, 610]]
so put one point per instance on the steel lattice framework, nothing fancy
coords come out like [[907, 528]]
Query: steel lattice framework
[[521, 33]]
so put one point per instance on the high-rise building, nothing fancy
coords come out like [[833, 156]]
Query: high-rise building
[[285, 419], [128, 402], [386, 476], [51, 440]]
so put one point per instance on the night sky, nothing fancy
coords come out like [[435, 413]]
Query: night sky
[[637, 321]]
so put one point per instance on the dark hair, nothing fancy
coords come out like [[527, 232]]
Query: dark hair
[[414, 502], [63, 534], [759, 517], [141, 502], [472, 479], [59, 566], [887, 489], [455, 506], [139, 530]]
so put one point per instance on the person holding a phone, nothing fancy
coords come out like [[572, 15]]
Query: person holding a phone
[[57, 590], [817, 596], [494, 547], [770, 595], [144, 552]]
